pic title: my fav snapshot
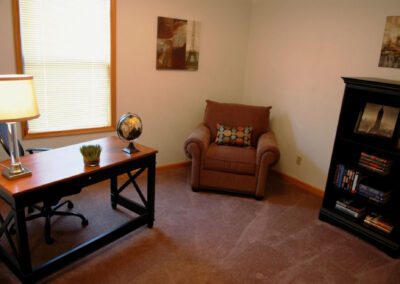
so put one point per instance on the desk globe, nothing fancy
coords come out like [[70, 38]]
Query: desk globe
[[129, 128]]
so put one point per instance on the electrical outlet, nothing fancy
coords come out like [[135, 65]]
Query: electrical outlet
[[298, 160]]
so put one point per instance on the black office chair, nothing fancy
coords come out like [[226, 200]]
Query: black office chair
[[52, 204]]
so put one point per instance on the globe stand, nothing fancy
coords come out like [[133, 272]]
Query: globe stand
[[131, 149]]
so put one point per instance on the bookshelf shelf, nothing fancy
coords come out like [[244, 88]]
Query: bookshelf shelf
[[363, 187], [387, 243]]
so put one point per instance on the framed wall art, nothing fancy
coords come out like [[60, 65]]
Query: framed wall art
[[390, 52], [177, 44], [377, 120]]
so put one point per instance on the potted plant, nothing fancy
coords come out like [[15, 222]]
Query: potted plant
[[91, 155]]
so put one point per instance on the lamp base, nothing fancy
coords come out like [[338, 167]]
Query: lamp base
[[10, 175]]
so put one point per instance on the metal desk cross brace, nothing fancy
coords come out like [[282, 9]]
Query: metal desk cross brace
[[4, 230], [132, 180], [20, 260]]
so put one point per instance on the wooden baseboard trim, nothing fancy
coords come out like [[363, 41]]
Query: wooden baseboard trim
[[173, 166], [164, 168], [304, 186]]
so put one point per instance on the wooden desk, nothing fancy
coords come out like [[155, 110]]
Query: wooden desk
[[62, 170]]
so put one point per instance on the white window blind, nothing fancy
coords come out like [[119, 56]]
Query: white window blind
[[65, 45]]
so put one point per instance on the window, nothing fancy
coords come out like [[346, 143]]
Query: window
[[69, 47]]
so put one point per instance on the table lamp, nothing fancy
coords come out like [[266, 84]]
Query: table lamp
[[17, 103]]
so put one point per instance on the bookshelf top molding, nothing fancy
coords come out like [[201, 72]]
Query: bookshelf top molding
[[373, 82]]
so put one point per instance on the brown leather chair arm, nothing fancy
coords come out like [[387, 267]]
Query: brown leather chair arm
[[199, 136], [267, 145]]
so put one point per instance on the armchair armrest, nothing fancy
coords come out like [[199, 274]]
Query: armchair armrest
[[267, 145], [196, 146], [199, 136], [35, 149]]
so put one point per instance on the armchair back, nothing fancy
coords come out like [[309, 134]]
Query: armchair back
[[237, 115]]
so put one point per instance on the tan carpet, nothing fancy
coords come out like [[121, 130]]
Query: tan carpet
[[213, 238]]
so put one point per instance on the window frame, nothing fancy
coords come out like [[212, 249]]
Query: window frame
[[20, 70]]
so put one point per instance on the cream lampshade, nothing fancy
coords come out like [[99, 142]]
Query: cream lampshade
[[17, 103]]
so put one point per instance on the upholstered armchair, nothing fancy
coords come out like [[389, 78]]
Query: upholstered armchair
[[232, 149]]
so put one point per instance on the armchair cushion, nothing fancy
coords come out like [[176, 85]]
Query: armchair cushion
[[233, 135], [237, 160]]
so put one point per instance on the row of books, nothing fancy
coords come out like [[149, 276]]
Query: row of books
[[352, 181], [379, 222], [358, 210], [373, 194], [375, 163], [346, 179], [350, 207]]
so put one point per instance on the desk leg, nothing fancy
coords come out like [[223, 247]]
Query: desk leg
[[151, 184], [24, 255], [114, 192]]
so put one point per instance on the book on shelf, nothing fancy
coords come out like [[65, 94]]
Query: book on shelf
[[346, 179], [379, 222], [350, 207], [373, 158], [382, 171], [375, 163], [374, 194]]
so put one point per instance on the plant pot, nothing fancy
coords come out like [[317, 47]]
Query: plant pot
[[91, 163]]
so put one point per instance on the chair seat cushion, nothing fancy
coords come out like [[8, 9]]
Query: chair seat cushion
[[238, 160]]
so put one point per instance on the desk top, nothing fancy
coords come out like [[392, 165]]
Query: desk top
[[65, 163]]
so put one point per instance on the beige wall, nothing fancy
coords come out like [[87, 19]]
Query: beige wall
[[170, 103], [298, 50], [288, 54]]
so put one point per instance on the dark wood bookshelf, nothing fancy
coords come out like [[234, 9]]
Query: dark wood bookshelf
[[369, 123]]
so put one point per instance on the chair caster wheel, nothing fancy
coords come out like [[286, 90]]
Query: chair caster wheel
[[85, 222], [70, 205]]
